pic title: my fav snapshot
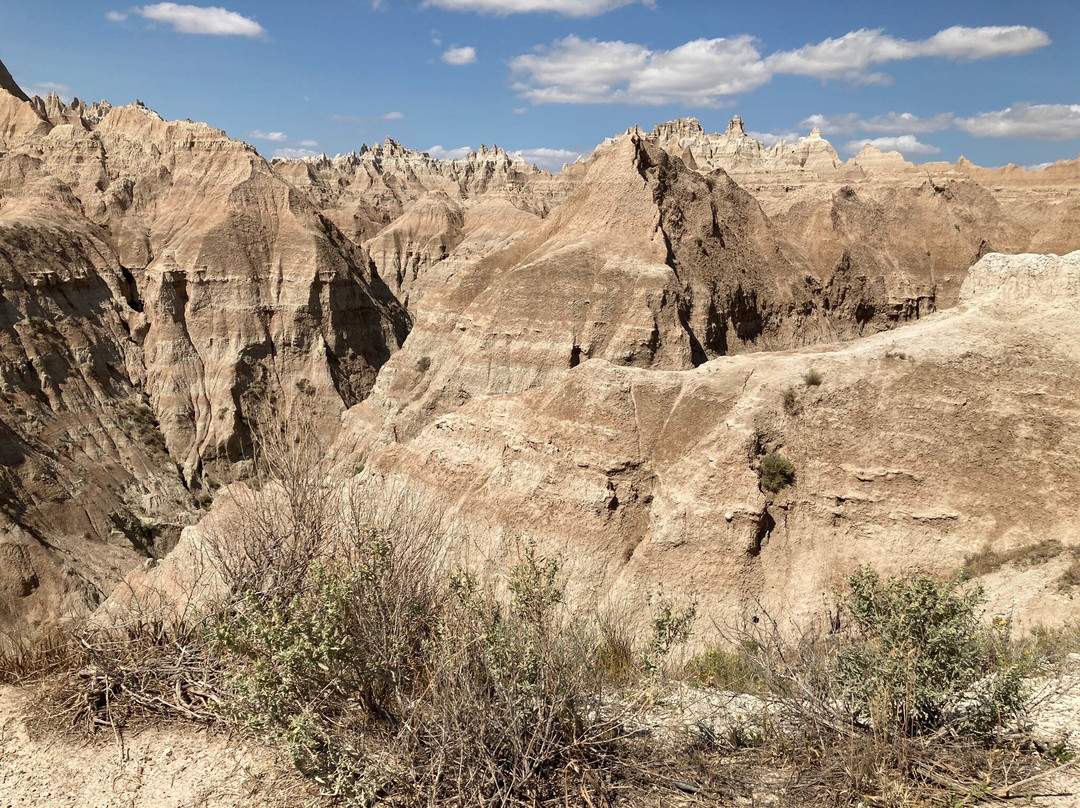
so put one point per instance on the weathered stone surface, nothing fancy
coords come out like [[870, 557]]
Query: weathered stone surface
[[920, 446], [590, 352], [154, 275]]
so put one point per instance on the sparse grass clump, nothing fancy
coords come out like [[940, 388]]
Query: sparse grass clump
[[790, 400], [423, 364], [775, 472], [988, 560], [726, 668], [813, 378]]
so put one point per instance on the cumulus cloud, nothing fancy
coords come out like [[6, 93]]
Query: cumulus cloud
[[969, 44], [905, 144], [201, 20], [289, 153], [439, 153], [460, 56], [116, 16], [275, 137], [893, 123], [568, 8], [578, 71], [704, 72], [550, 159], [850, 56], [772, 138], [1026, 122]]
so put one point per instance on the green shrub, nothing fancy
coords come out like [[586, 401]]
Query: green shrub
[[917, 658], [382, 679], [732, 669], [423, 364], [671, 626], [775, 472], [790, 400], [813, 378]]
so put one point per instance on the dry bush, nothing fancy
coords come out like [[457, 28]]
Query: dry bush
[[907, 698], [128, 674]]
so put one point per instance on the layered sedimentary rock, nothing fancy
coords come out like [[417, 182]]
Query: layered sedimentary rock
[[600, 351], [412, 211], [155, 277], [920, 446]]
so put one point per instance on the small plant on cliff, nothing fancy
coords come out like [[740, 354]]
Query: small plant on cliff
[[671, 627], [776, 472], [790, 400], [813, 378], [423, 364]]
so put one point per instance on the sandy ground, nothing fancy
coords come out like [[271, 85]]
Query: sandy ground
[[175, 766], [182, 766]]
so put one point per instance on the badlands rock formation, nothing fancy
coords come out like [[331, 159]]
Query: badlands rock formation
[[413, 212], [921, 446], [600, 351], [153, 275]]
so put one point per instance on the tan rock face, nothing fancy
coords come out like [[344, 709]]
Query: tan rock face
[[154, 274], [413, 212], [920, 446], [599, 352]]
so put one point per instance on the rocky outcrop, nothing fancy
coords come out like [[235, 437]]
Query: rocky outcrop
[[157, 277], [736, 152], [8, 84], [920, 446], [412, 211]]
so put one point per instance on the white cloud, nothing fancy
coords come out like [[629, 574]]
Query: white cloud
[[439, 153], [772, 138], [116, 16], [905, 144], [294, 154], [392, 116], [310, 144], [577, 71], [550, 159], [460, 56], [892, 123], [43, 88], [1037, 167], [1027, 122], [847, 57], [275, 137], [850, 56], [988, 42], [704, 72], [568, 8], [520, 110], [201, 20]]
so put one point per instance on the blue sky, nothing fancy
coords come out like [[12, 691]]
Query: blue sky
[[995, 81]]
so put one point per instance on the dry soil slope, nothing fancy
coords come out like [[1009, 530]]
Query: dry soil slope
[[922, 445], [647, 263]]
